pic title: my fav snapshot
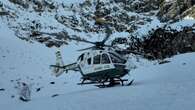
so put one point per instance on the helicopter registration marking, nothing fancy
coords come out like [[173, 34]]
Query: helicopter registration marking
[[98, 68], [102, 67], [107, 66]]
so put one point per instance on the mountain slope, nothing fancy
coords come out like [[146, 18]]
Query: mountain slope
[[168, 86], [88, 19], [29, 62], [156, 87], [83, 18]]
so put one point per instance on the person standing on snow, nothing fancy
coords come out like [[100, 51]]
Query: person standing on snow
[[25, 93]]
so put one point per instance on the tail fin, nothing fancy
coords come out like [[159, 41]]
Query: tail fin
[[58, 69]]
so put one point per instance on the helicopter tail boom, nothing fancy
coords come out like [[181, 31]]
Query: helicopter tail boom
[[58, 69]]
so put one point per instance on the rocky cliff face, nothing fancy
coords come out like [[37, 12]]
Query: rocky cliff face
[[88, 18], [176, 9], [91, 17], [165, 42]]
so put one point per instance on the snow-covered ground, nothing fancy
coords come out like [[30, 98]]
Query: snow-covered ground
[[157, 87], [21, 61]]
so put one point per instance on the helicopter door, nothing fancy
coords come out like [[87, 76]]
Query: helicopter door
[[106, 62], [96, 63], [88, 66]]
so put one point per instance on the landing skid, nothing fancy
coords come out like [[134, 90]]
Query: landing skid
[[109, 82], [130, 82], [115, 84], [106, 86], [84, 83]]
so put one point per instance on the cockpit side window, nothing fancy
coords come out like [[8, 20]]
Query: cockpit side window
[[89, 61], [96, 59], [82, 57], [105, 59]]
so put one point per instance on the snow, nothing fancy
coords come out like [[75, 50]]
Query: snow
[[168, 0], [189, 17], [69, 1], [155, 23], [144, 29], [182, 23], [28, 62], [157, 87]]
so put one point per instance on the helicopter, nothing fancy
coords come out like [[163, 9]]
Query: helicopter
[[100, 64]]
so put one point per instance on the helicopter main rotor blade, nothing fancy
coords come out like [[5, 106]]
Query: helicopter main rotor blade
[[108, 33], [62, 34], [52, 34], [139, 53], [86, 48], [81, 40], [108, 45], [105, 39]]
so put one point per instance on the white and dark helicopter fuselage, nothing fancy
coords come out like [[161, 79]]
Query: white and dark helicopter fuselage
[[96, 66], [101, 65]]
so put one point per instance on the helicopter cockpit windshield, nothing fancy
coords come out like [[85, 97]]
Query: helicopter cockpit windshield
[[101, 59], [105, 59]]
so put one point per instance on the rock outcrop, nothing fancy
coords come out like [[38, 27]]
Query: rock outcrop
[[165, 42], [175, 9], [89, 17]]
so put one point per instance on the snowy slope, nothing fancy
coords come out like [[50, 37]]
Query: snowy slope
[[158, 87], [22, 61]]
